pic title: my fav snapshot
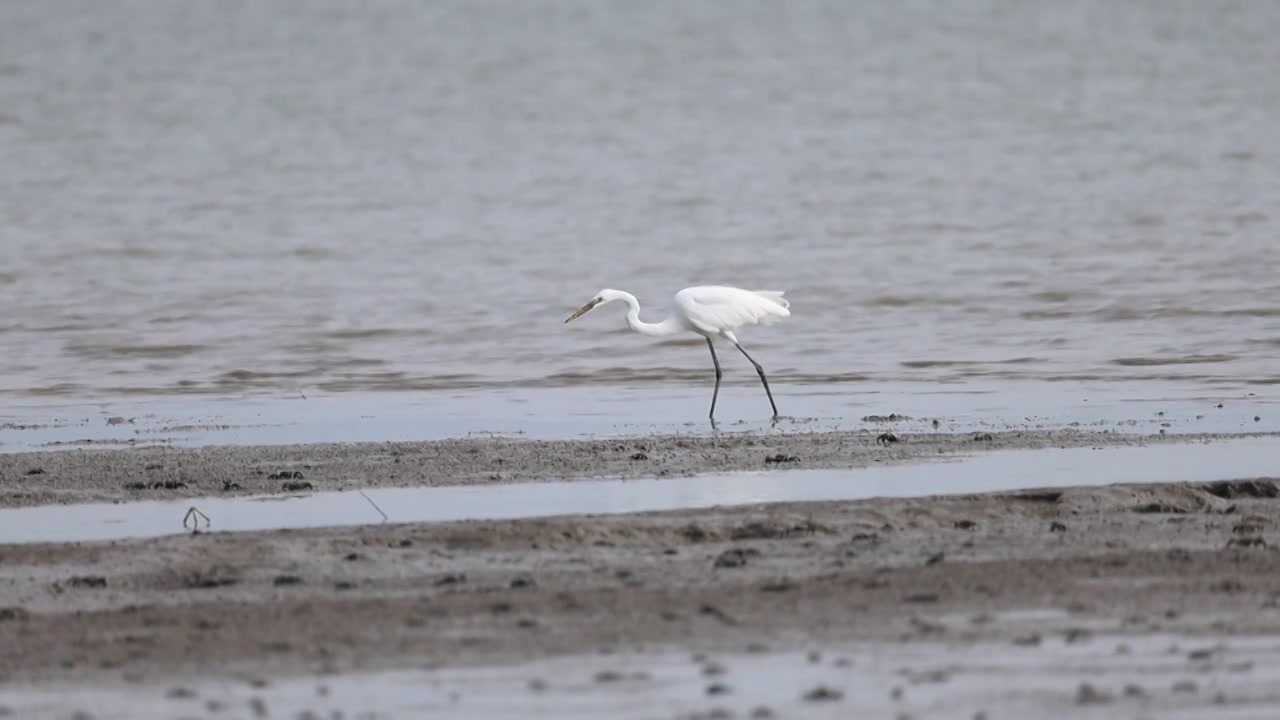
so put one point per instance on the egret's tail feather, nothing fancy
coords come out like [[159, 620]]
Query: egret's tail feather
[[774, 296]]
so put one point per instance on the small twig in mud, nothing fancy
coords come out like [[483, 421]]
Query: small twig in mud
[[194, 516], [718, 614], [374, 504]]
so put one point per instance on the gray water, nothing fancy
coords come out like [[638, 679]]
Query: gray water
[[235, 198]]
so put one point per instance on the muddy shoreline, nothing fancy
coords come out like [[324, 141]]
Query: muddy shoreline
[[201, 619], [166, 473], [251, 607]]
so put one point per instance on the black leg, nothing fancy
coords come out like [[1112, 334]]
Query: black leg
[[716, 393], [763, 379]]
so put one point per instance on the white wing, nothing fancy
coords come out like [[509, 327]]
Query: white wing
[[715, 309]]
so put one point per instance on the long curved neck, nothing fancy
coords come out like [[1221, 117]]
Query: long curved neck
[[670, 326]]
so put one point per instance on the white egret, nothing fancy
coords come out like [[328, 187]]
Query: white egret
[[711, 311]]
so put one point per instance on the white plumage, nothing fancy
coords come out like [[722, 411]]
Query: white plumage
[[712, 311], [719, 310]]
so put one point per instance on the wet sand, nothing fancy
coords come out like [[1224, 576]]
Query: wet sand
[[166, 473], [193, 622], [1127, 561]]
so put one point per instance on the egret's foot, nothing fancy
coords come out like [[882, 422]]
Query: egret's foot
[[774, 421]]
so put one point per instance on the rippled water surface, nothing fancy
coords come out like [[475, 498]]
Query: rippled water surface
[[330, 196]]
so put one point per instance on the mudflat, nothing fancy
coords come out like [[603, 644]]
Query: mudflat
[[190, 618], [163, 472], [1126, 560]]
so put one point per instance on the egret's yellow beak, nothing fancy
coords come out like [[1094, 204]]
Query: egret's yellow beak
[[583, 310]]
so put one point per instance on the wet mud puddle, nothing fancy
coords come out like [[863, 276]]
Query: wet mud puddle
[[1102, 675], [986, 472]]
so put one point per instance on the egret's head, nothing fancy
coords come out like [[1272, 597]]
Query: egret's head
[[601, 298]]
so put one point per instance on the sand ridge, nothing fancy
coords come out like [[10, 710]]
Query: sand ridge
[[165, 473]]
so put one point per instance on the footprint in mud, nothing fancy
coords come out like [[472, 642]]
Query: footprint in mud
[[713, 714], [296, 486], [1134, 691], [773, 530], [14, 614], [158, 485], [823, 693], [285, 475], [1233, 489], [1089, 695], [735, 557], [779, 458], [180, 693], [717, 613], [1250, 525], [87, 581], [211, 578], [613, 676], [259, 707]]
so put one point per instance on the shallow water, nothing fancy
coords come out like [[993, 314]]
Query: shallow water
[[918, 679], [49, 424], [983, 472], [257, 198]]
